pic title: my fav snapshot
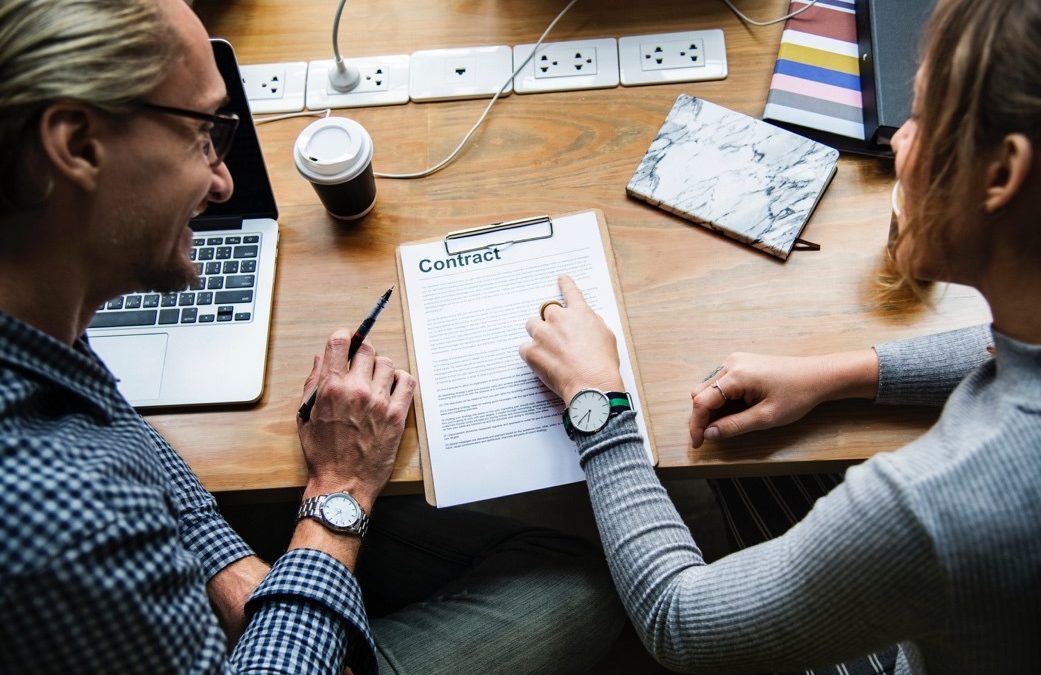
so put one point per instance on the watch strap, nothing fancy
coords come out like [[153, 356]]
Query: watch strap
[[311, 508], [620, 402]]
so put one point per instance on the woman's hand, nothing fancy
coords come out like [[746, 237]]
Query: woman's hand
[[572, 349], [778, 390]]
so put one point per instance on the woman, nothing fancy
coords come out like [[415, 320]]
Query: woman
[[936, 547]]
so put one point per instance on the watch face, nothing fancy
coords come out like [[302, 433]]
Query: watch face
[[341, 510], [589, 411]]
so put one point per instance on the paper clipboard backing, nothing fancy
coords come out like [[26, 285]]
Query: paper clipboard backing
[[585, 221]]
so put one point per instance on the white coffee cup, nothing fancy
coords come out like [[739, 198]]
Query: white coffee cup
[[335, 155]]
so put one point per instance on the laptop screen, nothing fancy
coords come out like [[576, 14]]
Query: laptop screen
[[252, 197]]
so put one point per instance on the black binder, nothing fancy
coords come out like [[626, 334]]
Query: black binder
[[889, 33]]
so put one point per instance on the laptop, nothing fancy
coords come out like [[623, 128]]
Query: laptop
[[207, 344]]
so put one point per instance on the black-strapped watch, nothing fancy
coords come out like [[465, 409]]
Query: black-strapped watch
[[590, 409], [338, 511]]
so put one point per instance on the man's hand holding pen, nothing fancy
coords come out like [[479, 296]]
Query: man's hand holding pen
[[352, 415], [367, 323], [352, 437]]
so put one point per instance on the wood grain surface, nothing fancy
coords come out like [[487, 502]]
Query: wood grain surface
[[693, 296]]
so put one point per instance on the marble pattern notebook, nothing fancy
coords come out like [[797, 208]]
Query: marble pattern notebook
[[735, 174]]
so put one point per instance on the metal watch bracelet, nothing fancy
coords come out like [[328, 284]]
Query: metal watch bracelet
[[310, 508]]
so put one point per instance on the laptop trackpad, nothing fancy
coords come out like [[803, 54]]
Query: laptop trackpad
[[137, 360]]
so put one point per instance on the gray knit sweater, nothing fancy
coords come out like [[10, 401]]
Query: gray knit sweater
[[936, 547]]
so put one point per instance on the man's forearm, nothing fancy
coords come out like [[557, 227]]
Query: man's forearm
[[230, 588]]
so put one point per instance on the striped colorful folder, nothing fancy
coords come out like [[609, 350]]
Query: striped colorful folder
[[816, 82]]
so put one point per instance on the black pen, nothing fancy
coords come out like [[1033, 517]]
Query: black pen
[[359, 336]]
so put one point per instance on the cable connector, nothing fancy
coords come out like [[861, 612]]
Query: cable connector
[[344, 77]]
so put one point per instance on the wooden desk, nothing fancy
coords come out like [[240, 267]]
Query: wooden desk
[[693, 297]]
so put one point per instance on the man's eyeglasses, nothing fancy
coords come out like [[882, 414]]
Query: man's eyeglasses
[[221, 131]]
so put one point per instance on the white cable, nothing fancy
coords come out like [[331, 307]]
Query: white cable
[[753, 22], [448, 160], [336, 31], [343, 77], [305, 113]]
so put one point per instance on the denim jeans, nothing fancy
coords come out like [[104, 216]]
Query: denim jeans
[[456, 591]]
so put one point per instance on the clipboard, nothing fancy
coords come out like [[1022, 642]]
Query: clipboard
[[503, 234]]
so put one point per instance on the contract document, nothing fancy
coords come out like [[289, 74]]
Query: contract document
[[488, 427]]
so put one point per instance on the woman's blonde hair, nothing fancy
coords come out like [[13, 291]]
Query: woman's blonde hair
[[982, 81], [108, 53]]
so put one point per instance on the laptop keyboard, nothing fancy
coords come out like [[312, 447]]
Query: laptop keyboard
[[225, 290]]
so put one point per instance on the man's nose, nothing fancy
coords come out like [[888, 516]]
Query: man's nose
[[221, 184]]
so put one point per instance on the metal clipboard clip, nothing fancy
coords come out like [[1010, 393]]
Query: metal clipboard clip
[[479, 238]]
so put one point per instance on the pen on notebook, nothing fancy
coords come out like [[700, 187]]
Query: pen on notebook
[[359, 336]]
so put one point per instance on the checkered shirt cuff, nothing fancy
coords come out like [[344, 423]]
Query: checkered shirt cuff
[[213, 542], [329, 590]]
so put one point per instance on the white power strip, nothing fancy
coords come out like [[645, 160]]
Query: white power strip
[[274, 87], [565, 66], [384, 81], [479, 72], [673, 57], [453, 74]]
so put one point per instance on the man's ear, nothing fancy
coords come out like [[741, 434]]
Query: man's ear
[[71, 139], [1008, 171]]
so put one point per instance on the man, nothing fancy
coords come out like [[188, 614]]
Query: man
[[113, 558]]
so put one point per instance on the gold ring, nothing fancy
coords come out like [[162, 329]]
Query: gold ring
[[715, 385], [548, 303]]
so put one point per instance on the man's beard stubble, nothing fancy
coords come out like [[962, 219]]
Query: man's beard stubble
[[171, 276], [171, 273]]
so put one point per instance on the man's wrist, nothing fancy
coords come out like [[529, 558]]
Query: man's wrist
[[340, 545], [362, 493]]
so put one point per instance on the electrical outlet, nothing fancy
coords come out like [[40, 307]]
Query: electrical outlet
[[563, 66], [672, 57], [674, 54], [274, 87], [384, 81], [471, 72]]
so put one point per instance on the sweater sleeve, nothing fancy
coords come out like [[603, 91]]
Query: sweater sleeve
[[925, 370], [858, 573]]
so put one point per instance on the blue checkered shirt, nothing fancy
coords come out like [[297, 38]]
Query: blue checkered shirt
[[107, 541]]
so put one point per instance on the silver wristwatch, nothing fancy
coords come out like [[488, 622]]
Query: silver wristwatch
[[338, 511]]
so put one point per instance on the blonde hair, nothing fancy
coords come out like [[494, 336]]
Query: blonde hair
[[107, 53], [982, 82]]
